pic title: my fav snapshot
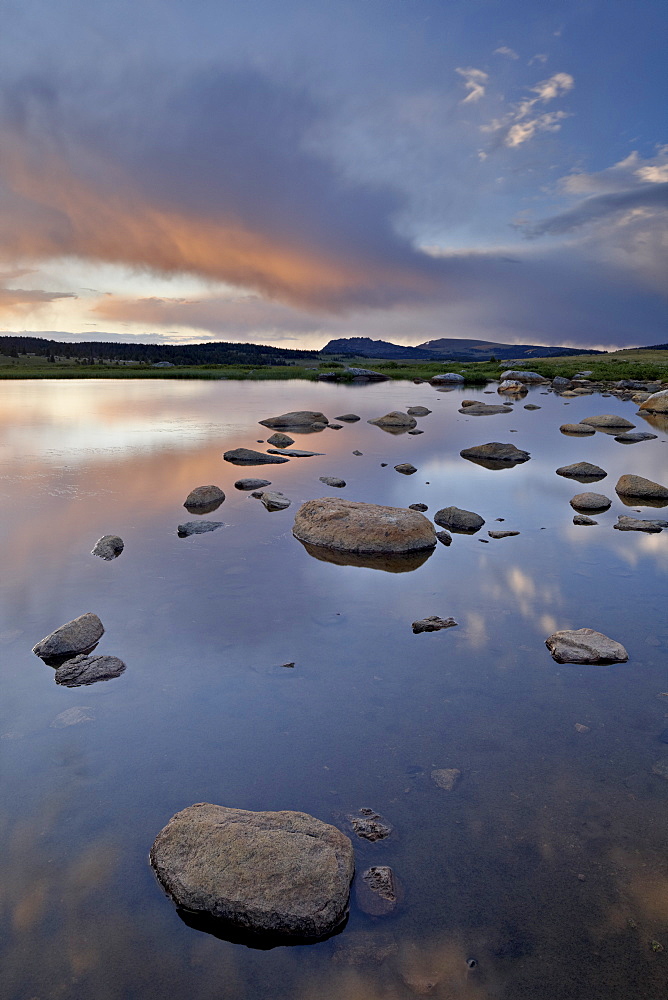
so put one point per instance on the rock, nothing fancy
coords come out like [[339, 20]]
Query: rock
[[502, 534], [378, 891], [636, 524], [522, 376], [582, 374], [418, 411], [582, 471], [197, 527], [296, 418], [349, 418], [405, 468], [333, 481], [273, 500], [432, 624], [73, 717], [657, 402], [478, 409], [418, 506], [641, 489], [251, 484], [559, 382], [584, 645], [461, 521], [513, 386], [631, 437], [83, 670], [350, 526], [385, 562], [369, 825], [204, 499], [282, 874], [257, 494], [246, 456], [532, 406], [108, 547], [580, 728], [576, 429], [294, 452], [416, 430], [583, 519], [368, 374], [334, 427], [280, 440], [630, 384], [394, 419], [608, 420], [590, 501], [318, 427], [445, 537], [445, 378], [496, 452], [446, 777], [77, 636], [468, 402], [358, 452]]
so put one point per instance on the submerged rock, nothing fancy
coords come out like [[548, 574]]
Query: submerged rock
[[333, 481], [444, 537], [83, 670], [582, 471], [369, 825], [577, 429], [273, 500], [461, 521], [395, 418], [590, 501], [280, 440], [246, 456], [283, 874], [432, 624], [108, 547], [351, 526], [77, 636], [294, 452], [584, 645], [479, 409], [636, 524], [446, 777], [418, 411], [641, 489], [378, 891], [296, 418], [405, 468], [197, 527], [251, 484], [608, 420], [496, 452], [204, 498]]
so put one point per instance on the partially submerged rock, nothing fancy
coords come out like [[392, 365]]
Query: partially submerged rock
[[608, 420], [273, 500], [294, 452], [432, 624], [418, 411], [461, 521], [445, 378], [386, 562], [577, 429], [394, 419], [418, 506], [590, 501], [444, 537], [446, 777], [583, 519], [198, 527], [502, 534], [369, 825], [280, 440], [108, 547], [77, 636], [333, 481], [204, 499], [656, 403], [584, 645], [405, 468], [349, 418], [284, 874], [251, 484], [246, 456], [83, 670], [512, 386], [494, 451], [632, 437], [636, 524], [296, 418], [522, 376], [378, 891], [641, 489], [479, 409], [351, 526], [582, 471]]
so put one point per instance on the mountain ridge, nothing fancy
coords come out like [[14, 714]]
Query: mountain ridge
[[446, 349]]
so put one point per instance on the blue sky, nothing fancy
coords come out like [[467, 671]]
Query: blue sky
[[289, 172]]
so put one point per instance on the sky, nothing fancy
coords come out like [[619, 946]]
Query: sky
[[289, 172]]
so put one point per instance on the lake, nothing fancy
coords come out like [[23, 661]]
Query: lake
[[546, 864]]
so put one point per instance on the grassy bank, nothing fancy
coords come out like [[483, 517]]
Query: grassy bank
[[636, 364]]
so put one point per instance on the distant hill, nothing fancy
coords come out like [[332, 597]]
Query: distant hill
[[445, 349]]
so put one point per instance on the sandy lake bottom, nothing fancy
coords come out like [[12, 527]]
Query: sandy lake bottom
[[547, 864]]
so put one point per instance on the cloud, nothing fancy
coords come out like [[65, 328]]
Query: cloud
[[503, 50], [627, 173], [474, 81], [24, 301], [522, 122], [604, 206]]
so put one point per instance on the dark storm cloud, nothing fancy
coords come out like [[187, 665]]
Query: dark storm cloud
[[603, 206]]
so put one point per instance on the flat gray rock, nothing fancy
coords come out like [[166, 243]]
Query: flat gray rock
[[246, 456], [348, 418], [296, 418], [405, 468], [280, 440], [496, 452], [81, 670], [418, 506], [446, 377], [251, 484], [532, 406], [416, 430], [294, 452], [584, 645], [582, 471], [637, 524], [477, 409], [502, 534], [522, 376], [461, 521], [279, 874], [108, 547], [204, 499], [418, 411], [583, 519], [333, 481], [396, 418], [77, 636], [273, 500], [432, 624], [444, 537], [198, 527], [608, 420], [632, 437], [590, 501], [576, 429]]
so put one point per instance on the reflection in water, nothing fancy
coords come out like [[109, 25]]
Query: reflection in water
[[546, 864], [391, 563], [225, 930]]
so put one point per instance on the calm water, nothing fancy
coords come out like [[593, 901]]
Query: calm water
[[547, 863]]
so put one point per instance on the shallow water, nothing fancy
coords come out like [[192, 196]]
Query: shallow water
[[547, 864]]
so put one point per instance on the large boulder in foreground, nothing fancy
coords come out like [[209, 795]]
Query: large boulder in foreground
[[296, 418], [584, 645], [77, 636], [641, 489], [278, 874], [464, 522], [656, 403], [351, 526]]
